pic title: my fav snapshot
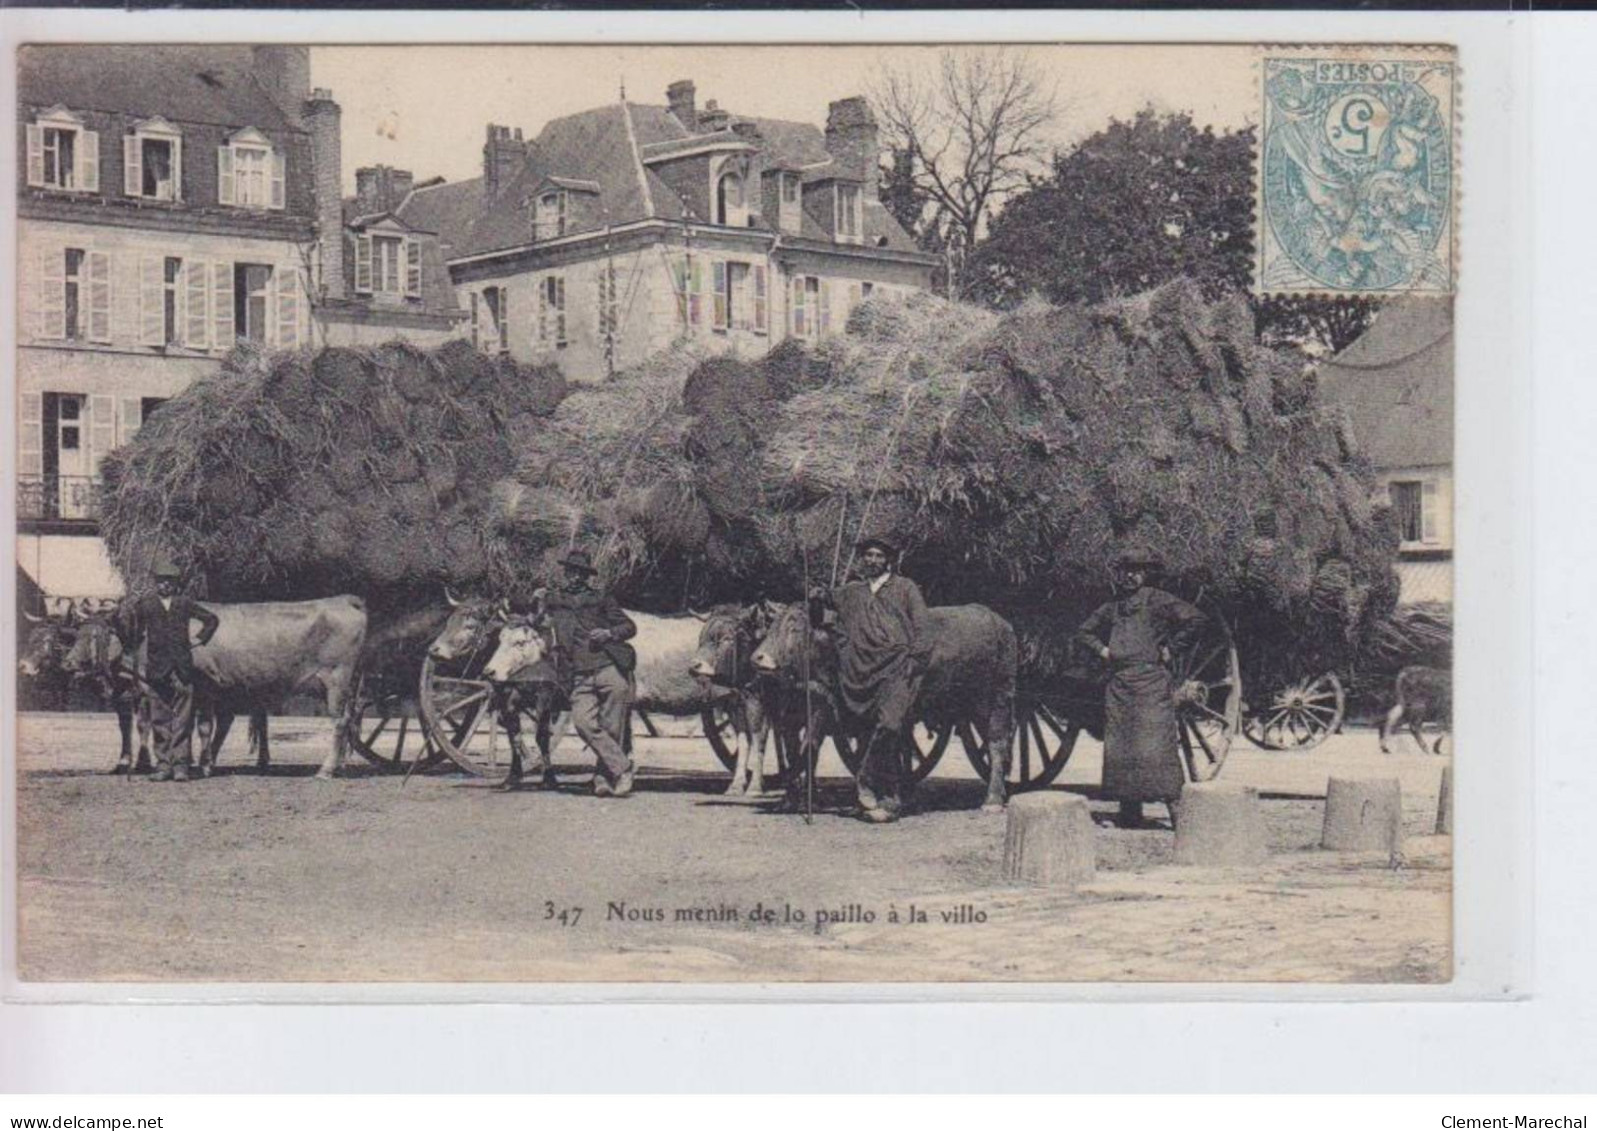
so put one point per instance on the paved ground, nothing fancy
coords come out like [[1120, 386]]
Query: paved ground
[[280, 877]]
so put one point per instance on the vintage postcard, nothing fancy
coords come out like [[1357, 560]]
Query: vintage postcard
[[735, 513]]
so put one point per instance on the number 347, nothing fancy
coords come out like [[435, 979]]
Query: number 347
[[565, 916]]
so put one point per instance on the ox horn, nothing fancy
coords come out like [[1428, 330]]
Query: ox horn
[[33, 617], [454, 601], [698, 616]]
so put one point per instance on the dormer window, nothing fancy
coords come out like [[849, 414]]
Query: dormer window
[[729, 204], [549, 216], [152, 161], [387, 265], [849, 224], [62, 154], [250, 172]]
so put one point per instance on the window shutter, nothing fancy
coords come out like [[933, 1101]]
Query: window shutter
[[695, 291], [560, 310], [35, 156], [504, 320], [476, 336], [89, 161], [1428, 523], [152, 300], [197, 312], [132, 165], [560, 205], [222, 314], [679, 270], [718, 308], [132, 417], [824, 321], [279, 177], [30, 446], [225, 185], [177, 168], [102, 430], [52, 293], [797, 305], [288, 284], [99, 264], [413, 268], [543, 309], [759, 299], [603, 319], [363, 265]]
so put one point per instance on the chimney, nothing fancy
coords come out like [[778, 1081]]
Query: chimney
[[714, 118], [679, 96], [284, 69], [324, 119], [379, 188], [503, 155], [851, 140]]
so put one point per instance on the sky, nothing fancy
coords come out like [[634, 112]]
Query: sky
[[426, 108]]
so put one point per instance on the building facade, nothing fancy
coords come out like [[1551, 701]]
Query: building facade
[[623, 229], [1396, 385]]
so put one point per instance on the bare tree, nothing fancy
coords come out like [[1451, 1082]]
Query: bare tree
[[967, 134]]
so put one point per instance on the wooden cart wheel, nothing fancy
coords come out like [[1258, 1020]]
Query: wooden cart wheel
[[1300, 716], [1042, 744], [456, 708], [383, 732], [926, 750], [717, 723], [1207, 682]]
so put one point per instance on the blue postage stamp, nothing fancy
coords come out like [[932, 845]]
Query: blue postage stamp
[[1356, 179]]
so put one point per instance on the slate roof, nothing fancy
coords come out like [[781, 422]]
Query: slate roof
[[597, 146], [1396, 383], [213, 85]]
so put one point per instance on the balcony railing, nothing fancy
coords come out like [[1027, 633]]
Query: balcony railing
[[58, 498]]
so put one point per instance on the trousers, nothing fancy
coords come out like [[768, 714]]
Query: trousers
[[172, 720], [600, 701]]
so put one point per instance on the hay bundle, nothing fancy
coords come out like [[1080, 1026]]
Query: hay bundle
[[299, 474]]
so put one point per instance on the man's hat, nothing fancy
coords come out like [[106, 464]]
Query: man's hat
[[166, 567], [579, 559], [1138, 555], [881, 544]]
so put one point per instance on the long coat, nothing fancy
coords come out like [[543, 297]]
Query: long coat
[[882, 649], [1141, 756], [165, 634]]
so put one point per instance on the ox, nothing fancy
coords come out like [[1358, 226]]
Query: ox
[[797, 688], [97, 656], [1424, 695], [723, 665], [969, 678]]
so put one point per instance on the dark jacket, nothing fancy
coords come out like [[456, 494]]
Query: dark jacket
[[165, 634], [573, 615]]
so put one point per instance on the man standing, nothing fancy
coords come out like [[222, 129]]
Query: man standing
[[590, 628], [1135, 635], [882, 651], [160, 622]]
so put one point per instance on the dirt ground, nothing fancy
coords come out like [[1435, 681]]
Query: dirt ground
[[279, 877]]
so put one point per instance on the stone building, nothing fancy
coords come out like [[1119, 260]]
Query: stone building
[[619, 230]]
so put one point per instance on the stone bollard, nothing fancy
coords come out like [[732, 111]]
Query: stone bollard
[[1444, 803], [1049, 840], [1363, 815], [1220, 825]]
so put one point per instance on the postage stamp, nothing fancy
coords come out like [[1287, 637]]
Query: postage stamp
[[1357, 173]]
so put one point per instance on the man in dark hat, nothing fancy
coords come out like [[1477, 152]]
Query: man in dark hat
[[591, 631], [882, 651], [1134, 635], [160, 622]]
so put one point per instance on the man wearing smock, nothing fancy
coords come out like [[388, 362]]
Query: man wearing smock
[[1134, 635], [591, 630], [160, 622], [882, 652]]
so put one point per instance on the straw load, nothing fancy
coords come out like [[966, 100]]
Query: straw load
[[349, 470]]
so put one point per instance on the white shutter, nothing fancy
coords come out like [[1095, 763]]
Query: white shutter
[[287, 308], [222, 306], [363, 265], [132, 165], [52, 293], [30, 448], [560, 308], [35, 156], [89, 161], [279, 171], [177, 168], [543, 309], [102, 430], [476, 336], [1428, 524], [99, 265], [224, 175], [718, 303], [131, 418], [413, 268], [152, 300], [197, 312], [504, 320]]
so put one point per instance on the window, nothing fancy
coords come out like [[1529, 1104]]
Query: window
[[152, 158], [1416, 503], [609, 303], [171, 295], [62, 154], [389, 255], [250, 173], [252, 284], [729, 208], [866, 289], [387, 265], [73, 293], [740, 301], [690, 291], [552, 311], [490, 320], [848, 213], [549, 216], [812, 315], [790, 189]]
